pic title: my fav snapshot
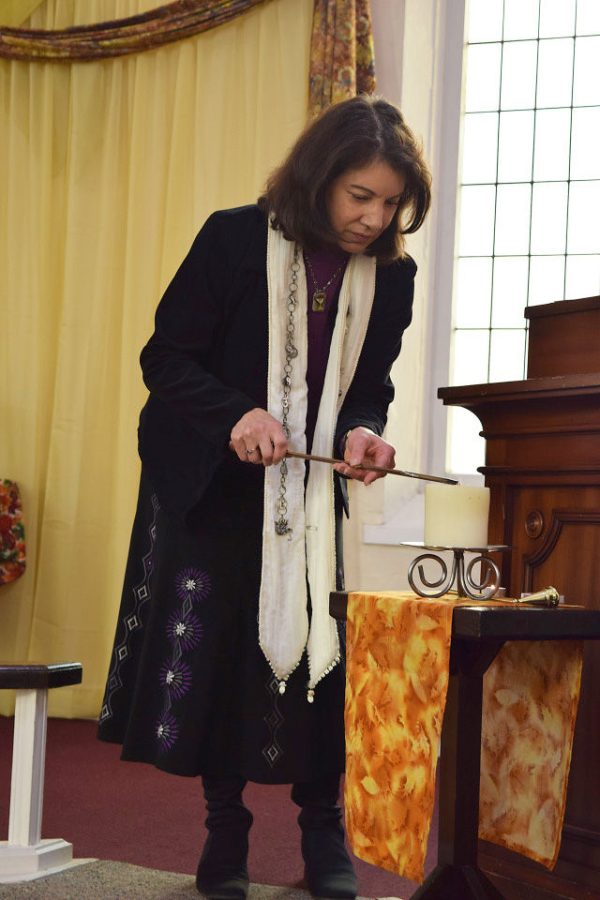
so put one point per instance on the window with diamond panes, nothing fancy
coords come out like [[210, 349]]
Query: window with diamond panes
[[529, 186]]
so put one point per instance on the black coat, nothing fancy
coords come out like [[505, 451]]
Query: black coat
[[206, 363], [189, 688]]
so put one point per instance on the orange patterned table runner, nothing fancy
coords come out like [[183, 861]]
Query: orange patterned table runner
[[396, 684]]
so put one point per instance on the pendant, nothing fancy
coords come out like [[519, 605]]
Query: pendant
[[318, 301], [281, 526]]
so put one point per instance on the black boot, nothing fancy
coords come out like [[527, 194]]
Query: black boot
[[328, 868], [223, 867]]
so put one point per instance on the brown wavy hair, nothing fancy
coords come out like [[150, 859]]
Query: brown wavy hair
[[348, 135]]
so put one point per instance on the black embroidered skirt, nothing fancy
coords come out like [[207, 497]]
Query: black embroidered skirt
[[189, 689]]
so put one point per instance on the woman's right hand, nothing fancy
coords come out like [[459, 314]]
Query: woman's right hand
[[259, 438]]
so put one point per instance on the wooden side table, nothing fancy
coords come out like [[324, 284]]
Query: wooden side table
[[25, 855], [478, 633]]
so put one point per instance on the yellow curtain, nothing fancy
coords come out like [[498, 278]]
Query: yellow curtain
[[107, 170], [14, 12]]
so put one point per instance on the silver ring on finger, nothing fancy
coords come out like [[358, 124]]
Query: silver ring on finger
[[250, 452]]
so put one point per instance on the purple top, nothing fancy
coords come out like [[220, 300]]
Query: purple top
[[326, 264]]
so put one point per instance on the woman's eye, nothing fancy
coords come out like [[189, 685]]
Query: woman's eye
[[358, 197]]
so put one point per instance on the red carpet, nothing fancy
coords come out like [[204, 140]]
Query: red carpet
[[133, 813]]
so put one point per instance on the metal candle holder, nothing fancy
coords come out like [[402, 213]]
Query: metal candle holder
[[466, 585]]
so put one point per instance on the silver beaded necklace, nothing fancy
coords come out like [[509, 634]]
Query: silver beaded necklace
[[291, 352]]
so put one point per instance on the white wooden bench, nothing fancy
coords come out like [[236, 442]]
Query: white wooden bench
[[25, 855]]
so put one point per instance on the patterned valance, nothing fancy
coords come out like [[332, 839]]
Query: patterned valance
[[341, 56], [167, 23]]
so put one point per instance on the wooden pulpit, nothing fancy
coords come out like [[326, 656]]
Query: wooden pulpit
[[543, 468]]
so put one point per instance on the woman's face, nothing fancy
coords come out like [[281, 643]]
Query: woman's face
[[361, 204]]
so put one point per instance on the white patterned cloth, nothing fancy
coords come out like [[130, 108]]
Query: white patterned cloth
[[309, 549]]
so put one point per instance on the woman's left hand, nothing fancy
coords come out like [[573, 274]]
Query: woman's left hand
[[364, 447]]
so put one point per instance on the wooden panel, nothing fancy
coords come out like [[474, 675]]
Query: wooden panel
[[563, 338], [542, 464], [548, 451]]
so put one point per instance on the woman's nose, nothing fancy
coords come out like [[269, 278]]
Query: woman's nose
[[373, 217]]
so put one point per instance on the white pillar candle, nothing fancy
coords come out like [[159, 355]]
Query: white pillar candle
[[456, 515]]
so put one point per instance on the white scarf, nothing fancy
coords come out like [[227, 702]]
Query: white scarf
[[309, 549]]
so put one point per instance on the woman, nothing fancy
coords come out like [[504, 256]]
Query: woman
[[277, 333]]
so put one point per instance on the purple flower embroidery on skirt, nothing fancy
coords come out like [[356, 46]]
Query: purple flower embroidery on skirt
[[177, 678], [185, 629], [167, 731], [192, 584]]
